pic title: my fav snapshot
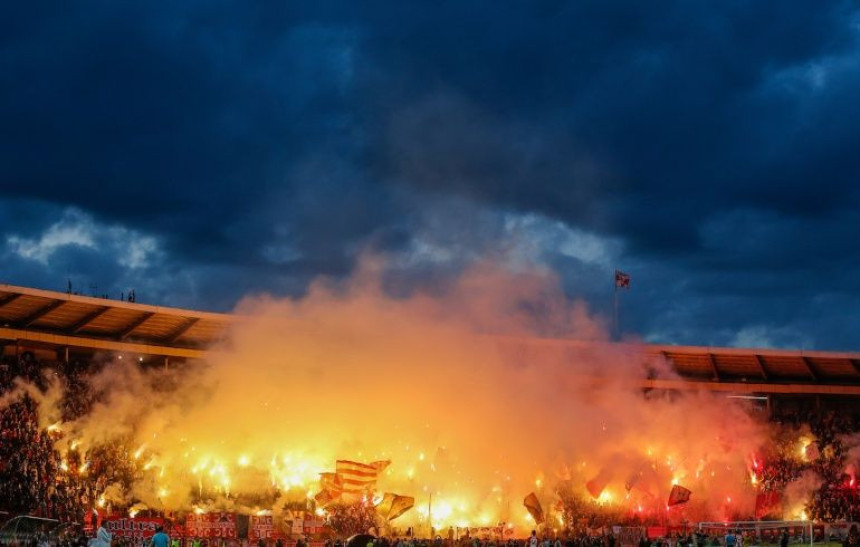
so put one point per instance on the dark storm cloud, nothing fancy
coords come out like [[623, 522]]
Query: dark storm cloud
[[669, 104], [711, 146]]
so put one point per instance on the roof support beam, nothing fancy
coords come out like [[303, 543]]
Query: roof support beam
[[41, 312], [134, 324], [22, 336], [8, 299], [809, 368], [80, 325], [714, 368], [741, 388], [182, 329], [855, 364], [761, 368]]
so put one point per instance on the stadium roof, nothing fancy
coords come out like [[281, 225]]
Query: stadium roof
[[61, 319], [37, 317]]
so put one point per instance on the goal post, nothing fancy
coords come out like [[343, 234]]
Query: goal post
[[758, 526]]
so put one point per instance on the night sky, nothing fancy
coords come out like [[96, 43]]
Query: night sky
[[201, 151]]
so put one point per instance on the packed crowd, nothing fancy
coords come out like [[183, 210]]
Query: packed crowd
[[823, 456], [32, 478], [36, 479]]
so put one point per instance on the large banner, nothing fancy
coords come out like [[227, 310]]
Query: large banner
[[263, 528], [307, 527], [211, 525], [217, 525], [137, 531]]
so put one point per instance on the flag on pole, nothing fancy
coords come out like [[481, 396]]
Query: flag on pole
[[622, 280], [678, 495], [535, 510], [392, 505]]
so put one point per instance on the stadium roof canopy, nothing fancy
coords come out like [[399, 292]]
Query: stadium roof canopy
[[34, 317], [61, 319]]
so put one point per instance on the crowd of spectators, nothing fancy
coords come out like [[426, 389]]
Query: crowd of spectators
[[36, 479], [814, 448], [837, 497]]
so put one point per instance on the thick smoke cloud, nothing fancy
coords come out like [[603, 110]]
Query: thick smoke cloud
[[461, 389]]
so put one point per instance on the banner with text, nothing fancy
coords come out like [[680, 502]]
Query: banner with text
[[211, 525], [137, 531]]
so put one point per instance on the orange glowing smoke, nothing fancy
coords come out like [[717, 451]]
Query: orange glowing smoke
[[467, 391]]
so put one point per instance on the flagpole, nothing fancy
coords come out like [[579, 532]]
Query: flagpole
[[615, 308], [430, 514]]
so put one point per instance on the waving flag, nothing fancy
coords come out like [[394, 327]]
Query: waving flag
[[596, 485], [392, 506], [533, 505], [331, 489], [324, 498], [678, 495], [331, 481], [622, 279], [356, 477]]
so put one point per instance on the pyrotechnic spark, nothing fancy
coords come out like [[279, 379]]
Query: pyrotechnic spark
[[804, 445]]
